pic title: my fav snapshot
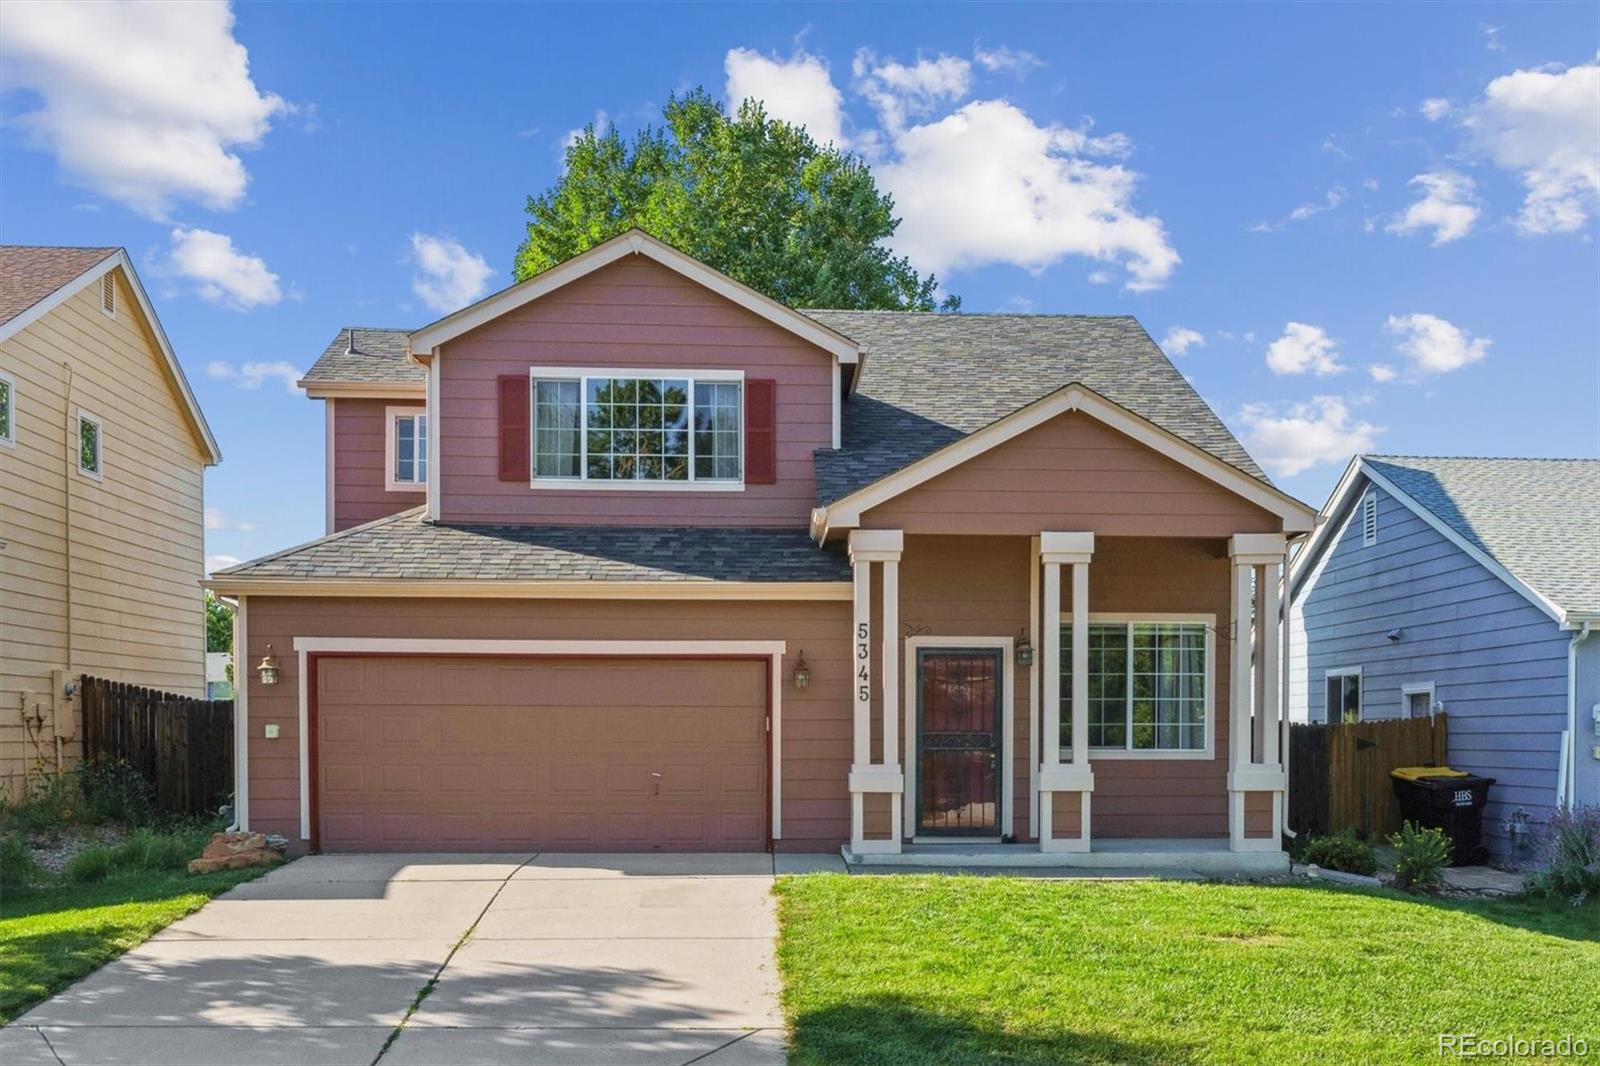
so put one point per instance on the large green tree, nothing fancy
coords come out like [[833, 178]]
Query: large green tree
[[754, 197]]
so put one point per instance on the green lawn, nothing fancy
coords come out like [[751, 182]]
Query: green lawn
[[54, 934], [962, 969]]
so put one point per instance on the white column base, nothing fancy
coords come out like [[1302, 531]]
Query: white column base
[[875, 780], [1048, 841]]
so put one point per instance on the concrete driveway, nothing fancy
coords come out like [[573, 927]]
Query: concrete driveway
[[561, 959]]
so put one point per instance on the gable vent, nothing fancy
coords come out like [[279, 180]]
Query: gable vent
[[108, 293], [1369, 519]]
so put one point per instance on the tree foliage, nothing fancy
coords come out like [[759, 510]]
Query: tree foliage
[[751, 196], [219, 624]]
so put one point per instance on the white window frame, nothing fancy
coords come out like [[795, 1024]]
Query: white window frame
[[1201, 754], [1361, 692], [582, 375], [81, 416], [1418, 688], [10, 439], [391, 416]]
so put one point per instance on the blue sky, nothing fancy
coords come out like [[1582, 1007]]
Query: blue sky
[[1374, 226]]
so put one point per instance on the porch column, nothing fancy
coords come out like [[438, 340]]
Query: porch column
[[1256, 778], [884, 777], [1074, 779]]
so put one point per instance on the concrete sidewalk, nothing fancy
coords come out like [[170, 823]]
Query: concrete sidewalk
[[560, 959]]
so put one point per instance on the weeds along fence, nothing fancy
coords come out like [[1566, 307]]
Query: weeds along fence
[[182, 746], [1339, 774]]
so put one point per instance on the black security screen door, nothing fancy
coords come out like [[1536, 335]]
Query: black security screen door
[[958, 741]]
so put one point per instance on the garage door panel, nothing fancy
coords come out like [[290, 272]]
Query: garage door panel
[[541, 754]]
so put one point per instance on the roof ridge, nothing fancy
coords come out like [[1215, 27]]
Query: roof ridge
[[1492, 458], [107, 248], [959, 314]]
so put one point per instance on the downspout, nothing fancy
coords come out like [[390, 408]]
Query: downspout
[[1567, 786], [73, 443]]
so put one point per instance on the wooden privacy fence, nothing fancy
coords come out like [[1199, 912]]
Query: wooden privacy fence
[[181, 745], [1339, 774]]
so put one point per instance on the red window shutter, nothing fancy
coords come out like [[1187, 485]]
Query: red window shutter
[[514, 390], [760, 432]]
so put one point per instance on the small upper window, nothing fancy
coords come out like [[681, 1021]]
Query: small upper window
[[8, 431], [407, 439], [1369, 520], [89, 445], [108, 294]]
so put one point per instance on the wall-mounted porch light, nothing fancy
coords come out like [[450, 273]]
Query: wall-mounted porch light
[[267, 668], [1024, 650], [802, 673]]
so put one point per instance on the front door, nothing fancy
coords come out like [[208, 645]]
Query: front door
[[958, 741]]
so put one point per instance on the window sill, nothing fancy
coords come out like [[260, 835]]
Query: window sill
[[405, 486], [1168, 755], [580, 485]]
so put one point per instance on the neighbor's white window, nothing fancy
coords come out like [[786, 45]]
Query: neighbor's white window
[[643, 429], [1149, 686], [406, 449], [90, 445], [1343, 700], [8, 425]]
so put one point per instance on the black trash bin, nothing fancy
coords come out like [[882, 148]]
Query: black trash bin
[[1449, 800]]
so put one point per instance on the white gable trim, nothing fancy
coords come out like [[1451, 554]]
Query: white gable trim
[[119, 258], [634, 242], [1321, 543], [846, 513]]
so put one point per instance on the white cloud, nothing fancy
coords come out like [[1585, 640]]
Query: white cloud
[[220, 562], [1180, 339], [897, 91], [1310, 209], [222, 274], [1491, 39], [448, 276], [1434, 345], [1305, 435], [1304, 349], [144, 103], [1013, 61], [1435, 108], [601, 123], [798, 90], [1382, 372], [1545, 125], [1448, 207], [217, 521], [252, 375]]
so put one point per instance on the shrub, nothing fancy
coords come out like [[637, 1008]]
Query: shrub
[[17, 867], [146, 849], [51, 801], [91, 864], [1569, 852], [1341, 851], [113, 791], [1420, 853]]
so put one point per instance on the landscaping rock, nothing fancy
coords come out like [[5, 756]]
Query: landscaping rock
[[235, 851], [1317, 873]]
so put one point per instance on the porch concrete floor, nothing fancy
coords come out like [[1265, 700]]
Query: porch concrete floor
[[1117, 857]]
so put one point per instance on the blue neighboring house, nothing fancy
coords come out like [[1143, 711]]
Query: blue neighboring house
[[1468, 586]]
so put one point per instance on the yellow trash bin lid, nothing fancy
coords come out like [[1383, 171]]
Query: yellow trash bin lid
[[1417, 773]]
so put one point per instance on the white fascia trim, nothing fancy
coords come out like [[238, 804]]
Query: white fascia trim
[[1296, 516], [1517, 585], [328, 417], [909, 696], [390, 445], [837, 404], [634, 242], [356, 390], [119, 258], [493, 588], [431, 406], [241, 715]]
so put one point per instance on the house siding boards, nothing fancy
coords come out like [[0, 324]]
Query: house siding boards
[[1498, 663], [137, 542], [634, 313], [1072, 472], [359, 451]]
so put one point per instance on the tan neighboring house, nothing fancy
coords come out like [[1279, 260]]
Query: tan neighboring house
[[102, 453]]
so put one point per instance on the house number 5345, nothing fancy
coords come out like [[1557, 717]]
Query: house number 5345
[[863, 689]]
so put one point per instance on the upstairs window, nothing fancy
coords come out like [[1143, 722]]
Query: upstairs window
[[8, 432], [406, 445], [89, 445], [645, 430]]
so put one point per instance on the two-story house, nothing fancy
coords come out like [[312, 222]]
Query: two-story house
[[102, 455], [628, 556]]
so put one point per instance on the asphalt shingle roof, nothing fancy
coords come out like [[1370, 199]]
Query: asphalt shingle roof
[[404, 547], [378, 357], [1538, 518], [29, 273], [931, 379]]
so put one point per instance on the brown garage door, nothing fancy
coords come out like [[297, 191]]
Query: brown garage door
[[541, 754]]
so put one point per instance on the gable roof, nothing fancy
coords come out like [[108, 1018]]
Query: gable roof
[[364, 355], [1534, 523], [633, 242], [35, 280]]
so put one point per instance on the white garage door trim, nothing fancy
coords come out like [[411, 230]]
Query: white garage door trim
[[664, 649]]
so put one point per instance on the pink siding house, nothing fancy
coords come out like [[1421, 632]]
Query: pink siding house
[[630, 557]]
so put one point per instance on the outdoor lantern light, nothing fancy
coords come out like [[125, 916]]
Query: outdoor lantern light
[[802, 673], [268, 668], [1024, 650]]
